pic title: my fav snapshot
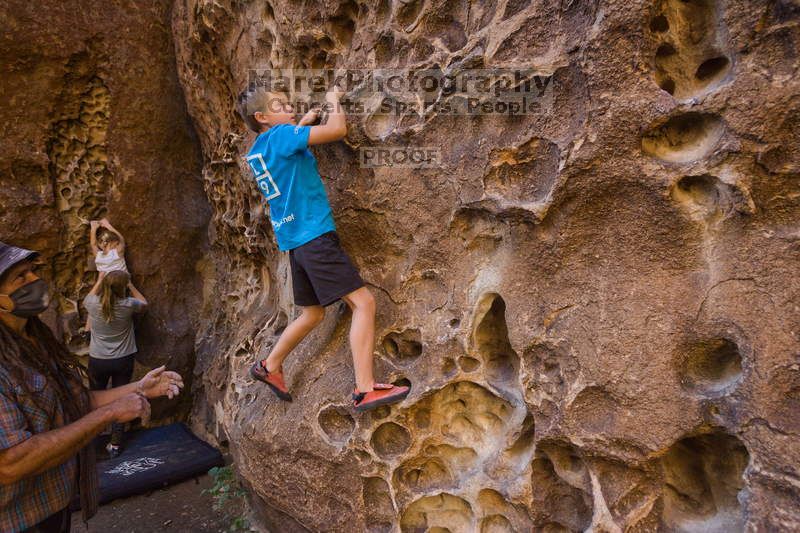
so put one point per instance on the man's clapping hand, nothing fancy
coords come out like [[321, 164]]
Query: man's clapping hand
[[161, 382]]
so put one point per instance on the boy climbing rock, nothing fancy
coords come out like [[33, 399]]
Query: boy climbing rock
[[285, 171]]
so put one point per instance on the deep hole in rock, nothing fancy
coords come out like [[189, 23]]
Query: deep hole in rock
[[684, 138], [390, 346], [378, 503], [668, 85], [706, 197], [403, 346], [423, 474], [468, 364], [703, 476], [665, 50], [557, 505], [659, 24], [491, 340], [712, 366], [712, 68], [337, 423], [390, 439], [402, 382], [695, 31], [325, 43], [442, 511], [701, 189]]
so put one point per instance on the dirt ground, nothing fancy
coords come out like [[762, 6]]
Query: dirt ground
[[180, 508]]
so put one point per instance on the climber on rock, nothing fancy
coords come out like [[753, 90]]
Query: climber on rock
[[108, 247], [47, 416], [286, 173]]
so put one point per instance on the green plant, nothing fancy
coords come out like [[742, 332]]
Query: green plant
[[229, 497]]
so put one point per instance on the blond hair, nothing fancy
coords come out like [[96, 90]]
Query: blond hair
[[113, 289], [253, 99]]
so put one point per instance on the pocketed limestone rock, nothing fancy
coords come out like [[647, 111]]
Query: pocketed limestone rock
[[593, 303]]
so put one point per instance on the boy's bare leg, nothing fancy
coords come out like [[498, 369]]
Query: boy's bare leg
[[292, 335], [362, 336]]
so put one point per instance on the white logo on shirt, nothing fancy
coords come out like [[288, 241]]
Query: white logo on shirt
[[264, 179], [278, 223]]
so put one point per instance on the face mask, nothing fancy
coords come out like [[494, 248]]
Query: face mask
[[30, 300]]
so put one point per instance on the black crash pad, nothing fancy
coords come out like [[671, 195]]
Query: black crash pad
[[152, 459]]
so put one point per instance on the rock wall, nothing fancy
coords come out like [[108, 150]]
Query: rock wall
[[95, 125], [596, 305]]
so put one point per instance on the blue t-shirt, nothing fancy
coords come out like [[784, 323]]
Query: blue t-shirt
[[286, 174]]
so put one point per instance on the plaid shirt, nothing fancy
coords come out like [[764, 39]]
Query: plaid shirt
[[27, 502]]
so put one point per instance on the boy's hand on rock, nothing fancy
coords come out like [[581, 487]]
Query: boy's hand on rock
[[310, 117]]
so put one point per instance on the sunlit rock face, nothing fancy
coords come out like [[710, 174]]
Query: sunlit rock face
[[94, 125], [596, 304]]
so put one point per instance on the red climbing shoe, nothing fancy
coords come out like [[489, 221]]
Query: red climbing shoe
[[273, 379], [383, 394]]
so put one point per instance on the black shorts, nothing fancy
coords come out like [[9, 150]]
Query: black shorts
[[322, 272]]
